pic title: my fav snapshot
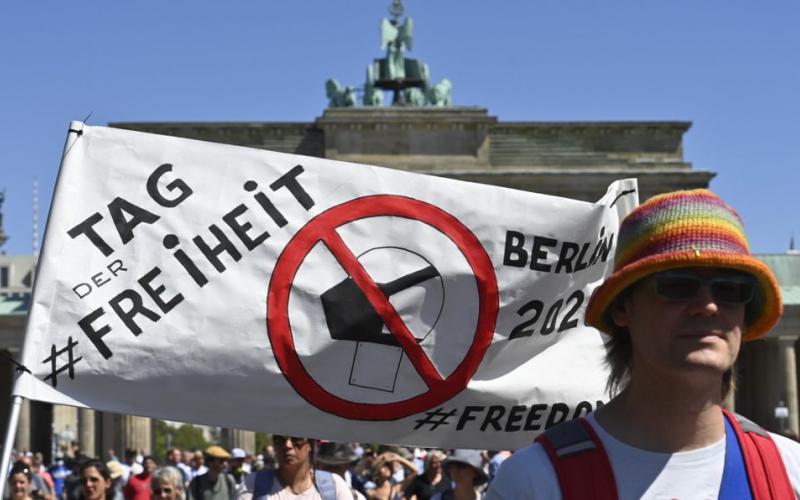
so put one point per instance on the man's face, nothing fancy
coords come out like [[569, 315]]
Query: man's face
[[216, 464], [680, 323], [291, 451], [174, 456], [149, 465]]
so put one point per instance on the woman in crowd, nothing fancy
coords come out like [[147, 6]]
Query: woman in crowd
[[432, 481], [382, 487], [95, 481], [465, 470], [166, 484], [19, 482]]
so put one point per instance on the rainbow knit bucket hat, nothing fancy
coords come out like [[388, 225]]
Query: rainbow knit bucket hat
[[686, 229]]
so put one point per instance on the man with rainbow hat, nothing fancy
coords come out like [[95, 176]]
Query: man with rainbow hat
[[684, 294]]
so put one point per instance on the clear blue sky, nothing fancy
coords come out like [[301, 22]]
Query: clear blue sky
[[729, 66]]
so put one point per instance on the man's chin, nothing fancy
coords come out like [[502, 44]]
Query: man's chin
[[709, 360]]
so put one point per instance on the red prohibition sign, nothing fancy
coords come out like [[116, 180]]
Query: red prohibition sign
[[323, 228]]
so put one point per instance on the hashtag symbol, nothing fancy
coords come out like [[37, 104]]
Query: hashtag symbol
[[435, 418], [54, 358]]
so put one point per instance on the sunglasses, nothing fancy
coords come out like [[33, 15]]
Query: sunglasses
[[282, 440], [678, 286], [159, 491]]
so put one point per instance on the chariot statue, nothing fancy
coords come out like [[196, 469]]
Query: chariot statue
[[407, 78]]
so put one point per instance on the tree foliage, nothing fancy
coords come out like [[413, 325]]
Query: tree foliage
[[185, 437]]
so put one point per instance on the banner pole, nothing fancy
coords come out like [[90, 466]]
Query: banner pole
[[11, 431]]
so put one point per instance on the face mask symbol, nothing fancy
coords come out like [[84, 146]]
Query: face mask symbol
[[350, 316]]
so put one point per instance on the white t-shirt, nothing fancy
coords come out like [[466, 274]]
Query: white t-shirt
[[695, 474], [280, 492]]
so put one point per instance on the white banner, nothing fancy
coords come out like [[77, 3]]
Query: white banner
[[243, 288]]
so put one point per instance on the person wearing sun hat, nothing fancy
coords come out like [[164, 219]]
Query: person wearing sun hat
[[684, 293], [216, 483], [465, 470]]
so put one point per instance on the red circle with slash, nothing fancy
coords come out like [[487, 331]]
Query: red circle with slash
[[323, 228]]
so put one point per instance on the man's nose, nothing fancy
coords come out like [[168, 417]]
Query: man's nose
[[704, 302]]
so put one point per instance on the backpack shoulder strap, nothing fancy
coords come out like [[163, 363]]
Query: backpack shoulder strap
[[263, 484], [325, 484], [580, 461], [231, 483], [766, 472]]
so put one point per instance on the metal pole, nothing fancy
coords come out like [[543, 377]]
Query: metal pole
[[11, 431]]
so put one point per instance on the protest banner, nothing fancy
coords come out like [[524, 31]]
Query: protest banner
[[249, 289]]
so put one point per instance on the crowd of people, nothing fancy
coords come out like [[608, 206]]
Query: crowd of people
[[290, 467]]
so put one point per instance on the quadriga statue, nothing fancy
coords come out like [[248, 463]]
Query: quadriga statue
[[339, 96]]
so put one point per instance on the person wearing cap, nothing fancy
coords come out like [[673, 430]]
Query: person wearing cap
[[295, 477], [236, 465], [684, 294], [465, 470], [338, 458], [215, 484]]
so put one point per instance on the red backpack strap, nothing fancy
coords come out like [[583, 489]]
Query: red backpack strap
[[765, 470], [580, 461]]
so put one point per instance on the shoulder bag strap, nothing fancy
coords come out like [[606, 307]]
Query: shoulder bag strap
[[580, 461], [325, 484], [263, 484], [766, 473]]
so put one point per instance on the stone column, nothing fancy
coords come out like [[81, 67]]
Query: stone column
[[111, 433], [86, 432], [65, 427], [137, 433], [23, 437], [789, 371], [234, 438]]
